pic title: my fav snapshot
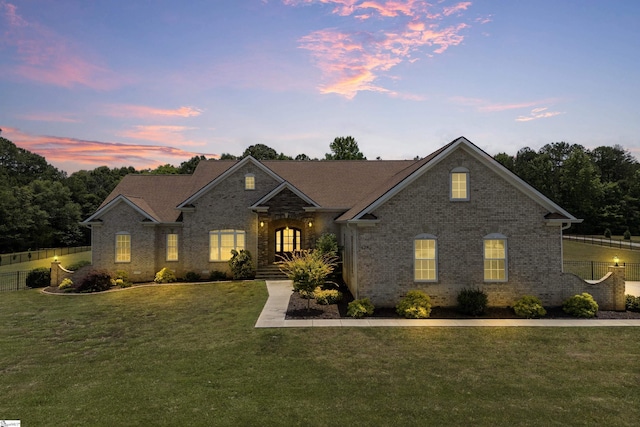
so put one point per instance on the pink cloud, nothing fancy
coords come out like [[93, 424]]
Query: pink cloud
[[73, 154], [49, 117], [538, 113], [161, 134], [147, 112], [355, 61], [46, 57]]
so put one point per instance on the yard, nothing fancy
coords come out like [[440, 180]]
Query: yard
[[189, 355]]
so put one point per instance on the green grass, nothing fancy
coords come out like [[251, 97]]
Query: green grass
[[575, 251], [65, 260], [189, 355]]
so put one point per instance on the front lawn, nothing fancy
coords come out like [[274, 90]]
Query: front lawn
[[189, 355]]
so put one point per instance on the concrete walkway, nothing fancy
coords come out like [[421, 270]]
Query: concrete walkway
[[274, 311]]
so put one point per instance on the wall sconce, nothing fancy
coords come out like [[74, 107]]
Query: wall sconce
[[616, 260], [261, 223], [310, 224]]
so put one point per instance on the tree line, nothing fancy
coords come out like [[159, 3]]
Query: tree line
[[41, 206]]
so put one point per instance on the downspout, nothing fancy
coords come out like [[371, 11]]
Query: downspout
[[354, 258], [562, 228]]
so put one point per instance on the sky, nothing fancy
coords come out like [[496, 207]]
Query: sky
[[148, 82]]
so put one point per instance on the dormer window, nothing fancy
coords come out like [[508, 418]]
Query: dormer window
[[249, 181], [459, 184]]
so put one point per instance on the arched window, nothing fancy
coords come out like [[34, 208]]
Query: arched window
[[459, 178], [425, 258], [495, 258]]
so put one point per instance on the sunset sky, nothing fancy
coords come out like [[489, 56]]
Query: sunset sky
[[147, 82]]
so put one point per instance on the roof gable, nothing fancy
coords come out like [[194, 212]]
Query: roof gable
[[278, 190], [136, 203]]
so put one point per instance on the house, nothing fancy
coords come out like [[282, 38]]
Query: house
[[452, 220]]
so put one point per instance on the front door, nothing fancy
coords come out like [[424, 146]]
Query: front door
[[287, 240]]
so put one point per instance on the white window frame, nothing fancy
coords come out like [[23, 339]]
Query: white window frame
[[218, 252], [123, 247], [491, 260], [172, 247], [454, 184], [416, 259], [249, 181]]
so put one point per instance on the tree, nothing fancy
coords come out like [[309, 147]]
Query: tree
[[190, 165], [261, 152], [344, 148], [19, 166]]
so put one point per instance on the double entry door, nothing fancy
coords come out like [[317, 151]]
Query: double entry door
[[287, 240]]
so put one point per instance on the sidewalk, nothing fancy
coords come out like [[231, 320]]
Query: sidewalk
[[274, 311]]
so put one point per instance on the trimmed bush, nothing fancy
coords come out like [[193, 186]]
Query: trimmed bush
[[96, 281], [632, 303], [241, 264], [192, 276], [121, 279], [165, 276], [607, 233], [66, 284], [529, 307], [39, 278], [327, 244], [216, 276], [627, 235], [360, 308], [582, 305], [327, 296], [415, 305], [472, 301]]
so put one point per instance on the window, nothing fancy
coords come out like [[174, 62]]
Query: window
[[425, 260], [459, 184], [172, 247], [221, 242], [495, 258], [249, 182], [123, 247]]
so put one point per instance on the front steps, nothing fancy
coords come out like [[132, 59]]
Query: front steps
[[270, 272]]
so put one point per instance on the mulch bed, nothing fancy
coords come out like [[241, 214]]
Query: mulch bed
[[297, 309]]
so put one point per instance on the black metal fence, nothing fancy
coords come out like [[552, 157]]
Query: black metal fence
[[18, 257], [594, 270], [13, 281]]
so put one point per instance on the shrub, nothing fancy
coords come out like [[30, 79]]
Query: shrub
[[120, 283], [607, 233], [360, 308], [327, 244], [78, 265], [121, 279], [415, 305], [39, 278], [627, 235], [241, 264], [216, 275], [96, 281], [308, 270], [192, 276], [582, 305], [327, 296], [632, 303], [165, 276], [66, 284], [529, 306], [472, 301]]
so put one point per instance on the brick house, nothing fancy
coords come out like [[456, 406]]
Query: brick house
[[452, 220]]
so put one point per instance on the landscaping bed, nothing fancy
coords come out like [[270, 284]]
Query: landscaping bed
[[297, 309]]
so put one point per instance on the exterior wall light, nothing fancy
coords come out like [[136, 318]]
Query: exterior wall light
[[616, 260], [310, 224], [261, 223]]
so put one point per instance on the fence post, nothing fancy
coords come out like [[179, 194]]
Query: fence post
[[592, 273], [17, 280]]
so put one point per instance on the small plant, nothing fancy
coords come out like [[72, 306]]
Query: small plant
[[582, 305], [308, 270], [241, 264], [607, 233], [360, 308], [165, 276], [627, 235], [327, 244], [415, 305], [632, 303], [66, 284], [39, 278], [121, 279], [96, 281], [472, 301], [216, 276], [327, 296], [192, 276], [529, 307]]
